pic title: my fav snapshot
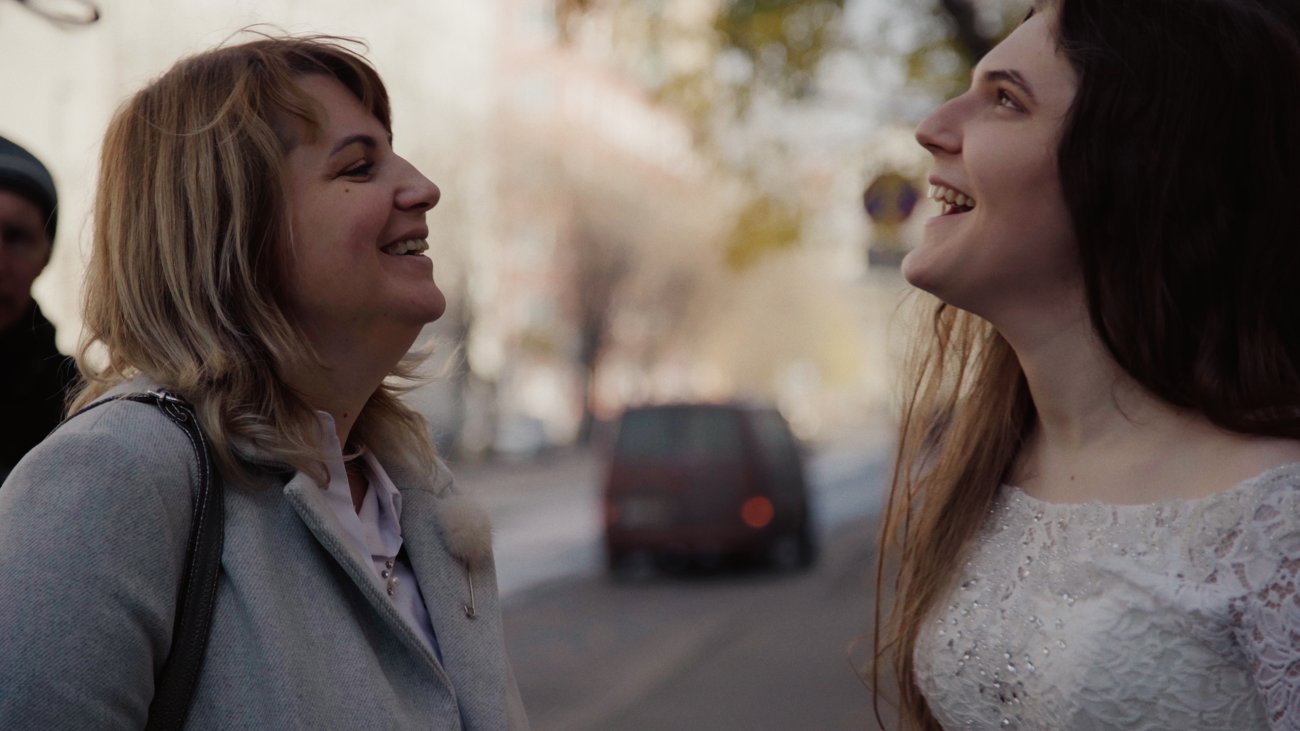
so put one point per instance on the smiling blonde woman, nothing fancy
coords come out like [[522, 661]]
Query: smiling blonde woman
[[258, 251]]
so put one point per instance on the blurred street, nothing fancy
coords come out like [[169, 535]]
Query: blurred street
[[722, 649]]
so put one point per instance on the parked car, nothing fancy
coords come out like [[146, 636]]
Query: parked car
[[707, 480]]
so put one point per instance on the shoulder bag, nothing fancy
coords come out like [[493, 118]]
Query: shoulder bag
[[175, 682]]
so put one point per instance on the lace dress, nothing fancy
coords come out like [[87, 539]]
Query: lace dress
[[1181, 615]]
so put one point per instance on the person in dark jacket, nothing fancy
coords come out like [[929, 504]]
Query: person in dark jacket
[[34, 375]]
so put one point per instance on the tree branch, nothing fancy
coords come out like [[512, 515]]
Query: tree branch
[[970, 40]]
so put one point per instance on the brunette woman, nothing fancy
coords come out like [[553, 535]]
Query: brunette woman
[[1097, 497]]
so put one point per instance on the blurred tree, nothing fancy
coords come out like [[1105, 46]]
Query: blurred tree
[[567, 12], [633, 246], [698, 59], [958, 34], [783, 40], [741, 46], [970, 38], [765, 225], [721, 63], [601, 263], [712, 59]]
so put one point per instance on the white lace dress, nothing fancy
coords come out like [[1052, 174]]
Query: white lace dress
[[1181, 615]]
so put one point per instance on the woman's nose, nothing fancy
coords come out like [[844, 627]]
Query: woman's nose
[[938, 132], [418, 193]]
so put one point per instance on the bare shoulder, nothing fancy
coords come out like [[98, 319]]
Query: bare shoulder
[[1266, 453], [1237, 458]]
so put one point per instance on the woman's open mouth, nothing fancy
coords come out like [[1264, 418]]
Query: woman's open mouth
[[407, 247], [952, 200]]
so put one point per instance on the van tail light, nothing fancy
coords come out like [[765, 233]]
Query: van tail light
[[757, 512]]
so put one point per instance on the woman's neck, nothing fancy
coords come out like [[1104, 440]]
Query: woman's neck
[[1089, 413], [1099, 435], [353, 368], [357, 481]]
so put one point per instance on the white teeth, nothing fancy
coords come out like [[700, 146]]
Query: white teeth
[[400, 248], [944, 194]]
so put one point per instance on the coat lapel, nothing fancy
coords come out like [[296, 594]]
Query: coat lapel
[[310, 502], [473, 650]]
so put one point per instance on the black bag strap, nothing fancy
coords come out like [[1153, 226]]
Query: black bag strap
[[174, 684]]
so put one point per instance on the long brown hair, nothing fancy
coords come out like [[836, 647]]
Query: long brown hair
[[1189, 247], [182, 284], [964, 418]]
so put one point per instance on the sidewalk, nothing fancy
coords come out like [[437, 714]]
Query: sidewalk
[[545, 515], [492, 479]]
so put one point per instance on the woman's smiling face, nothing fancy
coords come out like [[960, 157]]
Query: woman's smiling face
[[1008, 243], [355, 264]]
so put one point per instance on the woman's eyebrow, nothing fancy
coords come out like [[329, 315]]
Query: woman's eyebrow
[[1012, 77], [367, 140]]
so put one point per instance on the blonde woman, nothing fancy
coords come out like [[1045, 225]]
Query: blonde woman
[[258, 252], [1097, 496]]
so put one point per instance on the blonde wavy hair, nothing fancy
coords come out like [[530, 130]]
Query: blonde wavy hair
[[183, 280]]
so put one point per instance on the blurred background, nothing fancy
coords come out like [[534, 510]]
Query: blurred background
[[644, 201]]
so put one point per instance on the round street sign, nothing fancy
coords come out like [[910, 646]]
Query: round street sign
[[890, 199]]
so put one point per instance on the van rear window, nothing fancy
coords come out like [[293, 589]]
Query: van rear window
[[684, 434]]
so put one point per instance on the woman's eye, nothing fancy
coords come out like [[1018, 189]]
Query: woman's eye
[[1008, 101], [360, 170]]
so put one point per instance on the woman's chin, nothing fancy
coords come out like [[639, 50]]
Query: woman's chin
[[437, 307], [918, 269], [426, 307]]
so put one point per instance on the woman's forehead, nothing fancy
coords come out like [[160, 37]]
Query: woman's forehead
[[324, 100]]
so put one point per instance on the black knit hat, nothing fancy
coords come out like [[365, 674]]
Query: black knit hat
[[22, 173]]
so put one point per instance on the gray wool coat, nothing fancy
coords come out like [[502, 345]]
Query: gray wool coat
[[93, 530]]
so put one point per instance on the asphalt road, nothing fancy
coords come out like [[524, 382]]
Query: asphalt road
[[721, 650]]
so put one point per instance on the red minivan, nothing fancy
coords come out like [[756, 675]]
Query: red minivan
[[703, 480]]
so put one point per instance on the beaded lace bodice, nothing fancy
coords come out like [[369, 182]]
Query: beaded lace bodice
[[1182, 615]]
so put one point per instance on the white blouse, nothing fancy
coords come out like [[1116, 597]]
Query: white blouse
[[376, 531], [1182, 615]]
